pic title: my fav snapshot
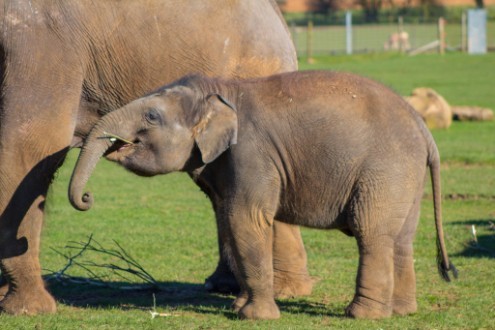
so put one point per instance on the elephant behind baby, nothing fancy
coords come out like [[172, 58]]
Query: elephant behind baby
[[319, 149], [65, 63]]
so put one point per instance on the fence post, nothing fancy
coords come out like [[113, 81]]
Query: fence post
[[309, 43], [401, 29], [477, 42], [348, 32], [463, 32], [441, 35]]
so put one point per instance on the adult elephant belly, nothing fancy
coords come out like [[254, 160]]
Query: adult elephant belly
[[64, 64]]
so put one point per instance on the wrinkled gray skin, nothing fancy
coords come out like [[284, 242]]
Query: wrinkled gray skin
[[319, 149], [65, 63]]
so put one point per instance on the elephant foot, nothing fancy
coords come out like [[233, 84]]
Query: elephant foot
[[4, 288], [264, 310], [402, 307], [28, 303], [287, 285], [239, 302], [365, 308], [222, 281]]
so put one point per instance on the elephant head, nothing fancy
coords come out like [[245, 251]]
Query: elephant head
[[157, 134]]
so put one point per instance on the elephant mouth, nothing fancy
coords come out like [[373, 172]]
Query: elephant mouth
[[120, 147]]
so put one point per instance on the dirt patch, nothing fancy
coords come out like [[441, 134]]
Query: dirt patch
[[459, 164], [456, 196], [463, 197]]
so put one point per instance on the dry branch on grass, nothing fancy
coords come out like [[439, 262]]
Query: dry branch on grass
[[122, 264]]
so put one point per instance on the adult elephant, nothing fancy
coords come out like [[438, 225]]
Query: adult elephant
[[65, 63]]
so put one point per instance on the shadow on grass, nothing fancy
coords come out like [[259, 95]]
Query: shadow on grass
[[312, 308], [484, 245], [170, 295], [189, 297]]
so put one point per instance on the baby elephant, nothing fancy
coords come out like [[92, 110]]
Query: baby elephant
[[319, 149]]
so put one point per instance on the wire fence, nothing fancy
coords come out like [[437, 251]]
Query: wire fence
[[399, 36]]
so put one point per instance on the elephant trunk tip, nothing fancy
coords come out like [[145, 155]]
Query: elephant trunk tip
[[84, 204]]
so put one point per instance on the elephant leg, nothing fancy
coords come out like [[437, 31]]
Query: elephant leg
[[378, 216], [375, 280], [252, 243], [40, 100], [404, 296], [241, 300], [21, 223], [291, 277], [223, 279], [32, 149], [26, 291]]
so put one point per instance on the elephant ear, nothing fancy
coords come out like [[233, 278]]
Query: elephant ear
[[217, 129]]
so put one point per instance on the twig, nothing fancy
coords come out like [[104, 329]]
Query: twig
[[473, 232], [113, 138], [154, 313], [70, 262], [131, 267]]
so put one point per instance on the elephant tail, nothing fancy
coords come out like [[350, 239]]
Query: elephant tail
[[444, 265]]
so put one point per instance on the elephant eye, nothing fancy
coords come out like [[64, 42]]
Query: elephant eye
[[153, 116]]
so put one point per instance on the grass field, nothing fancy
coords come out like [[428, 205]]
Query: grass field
[[167, 225]]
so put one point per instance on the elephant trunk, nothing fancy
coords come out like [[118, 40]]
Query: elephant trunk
[[99, 140]]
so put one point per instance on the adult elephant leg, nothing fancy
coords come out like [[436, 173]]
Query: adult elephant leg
[[21, 218], [223, 279], [291, 277], [20, 224], [36, 132]]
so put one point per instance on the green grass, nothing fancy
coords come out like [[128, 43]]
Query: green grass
[[460, 78], [167, 224]]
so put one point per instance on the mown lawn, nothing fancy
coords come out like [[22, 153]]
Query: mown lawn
[[167, 225]]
